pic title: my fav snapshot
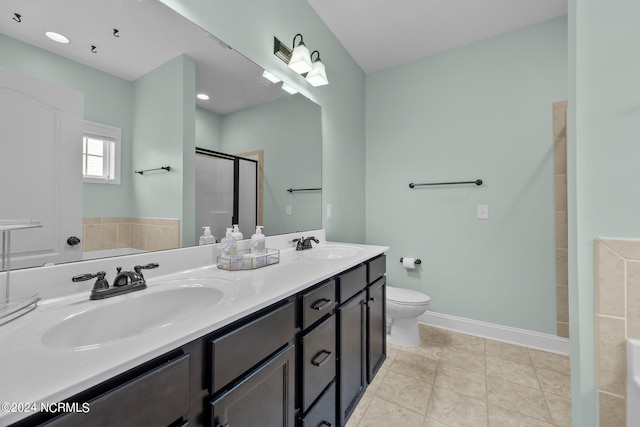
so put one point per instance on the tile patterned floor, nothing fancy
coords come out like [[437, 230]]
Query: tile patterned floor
[[458, 380]]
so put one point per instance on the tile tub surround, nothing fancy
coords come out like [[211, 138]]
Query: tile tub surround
[[67, 372], [617, 282], [457, 380], [148, 234], [560, 173]]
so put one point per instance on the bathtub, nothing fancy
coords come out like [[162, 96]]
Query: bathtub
[[633, 382]]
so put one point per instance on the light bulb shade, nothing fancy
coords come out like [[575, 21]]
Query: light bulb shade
[[300, 61], [318, 75]]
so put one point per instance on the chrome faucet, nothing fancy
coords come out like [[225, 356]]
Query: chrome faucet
[[304, 243], [124, 282]]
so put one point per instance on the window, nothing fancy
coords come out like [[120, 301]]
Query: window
[[101, 153]]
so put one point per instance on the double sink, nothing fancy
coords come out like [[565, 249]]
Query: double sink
[[83, 325]]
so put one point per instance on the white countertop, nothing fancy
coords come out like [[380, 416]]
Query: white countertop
[[32, 372]]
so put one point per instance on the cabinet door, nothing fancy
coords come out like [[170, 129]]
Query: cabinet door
[[351, 355], [376, 327], [318, 361], [264, 398]]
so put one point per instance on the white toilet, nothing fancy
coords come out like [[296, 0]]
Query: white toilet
[[403, 308]]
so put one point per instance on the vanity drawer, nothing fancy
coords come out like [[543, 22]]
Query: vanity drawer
[[317, 303], [318, 360], [351, 283], [237, 352], [323, 412], [159, 397], [376, 268]]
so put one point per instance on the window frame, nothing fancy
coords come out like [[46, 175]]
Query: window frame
[[109, 133]]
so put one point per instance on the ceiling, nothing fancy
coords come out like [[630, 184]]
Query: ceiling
[[149, 34], [382, 33]]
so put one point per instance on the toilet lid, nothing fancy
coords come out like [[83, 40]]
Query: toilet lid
[[406, 296]]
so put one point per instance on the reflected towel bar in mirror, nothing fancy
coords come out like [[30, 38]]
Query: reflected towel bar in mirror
[[476, 182], [167, 168]]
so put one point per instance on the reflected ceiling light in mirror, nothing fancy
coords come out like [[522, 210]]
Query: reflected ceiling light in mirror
[[289, 89], [56, 37], [273, 79], [318, 75], [202, 96]]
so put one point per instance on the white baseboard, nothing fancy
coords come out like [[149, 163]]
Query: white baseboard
[[492, 331]]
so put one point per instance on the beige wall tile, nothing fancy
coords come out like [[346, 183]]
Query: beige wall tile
[[562, 267], [559, 117], [611, 354], [92, 220], [561, 192], [99, 236], [562, 302], [125, 235], [610, 299], [140, 236], [561, 230], [633, 299], [153, 237], [117, 220], [612, 411], [168, 238], [110, 236], [626, 248], [563, 329], [560, 155]]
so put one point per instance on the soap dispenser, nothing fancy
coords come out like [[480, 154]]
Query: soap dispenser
[[258, 242], [207, 238], [236, 233], [229, 246]]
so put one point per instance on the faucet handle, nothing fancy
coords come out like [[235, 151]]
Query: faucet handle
[[139, 268], [101, 283]]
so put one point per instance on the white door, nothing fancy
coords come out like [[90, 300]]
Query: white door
[[41, 167]]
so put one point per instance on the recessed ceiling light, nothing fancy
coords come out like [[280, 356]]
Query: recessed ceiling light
[[273, 79], [202, 96], [57, 37]]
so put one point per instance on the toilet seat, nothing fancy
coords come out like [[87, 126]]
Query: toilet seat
[[403, 296]]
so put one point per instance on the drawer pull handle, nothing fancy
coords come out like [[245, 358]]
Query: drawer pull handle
[[324, 360], [321, 304]]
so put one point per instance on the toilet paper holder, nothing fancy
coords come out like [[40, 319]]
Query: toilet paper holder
[[417, 262]]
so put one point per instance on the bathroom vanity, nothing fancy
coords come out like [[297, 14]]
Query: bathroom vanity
[[291, 344]]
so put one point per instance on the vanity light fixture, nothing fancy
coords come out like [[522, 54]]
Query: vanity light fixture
[[289, 89], [273, 79], [56, 37], [318, 75], [300, 61], [203, 96]]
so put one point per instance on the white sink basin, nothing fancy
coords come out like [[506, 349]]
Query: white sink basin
[[128, 315], [331, 251]]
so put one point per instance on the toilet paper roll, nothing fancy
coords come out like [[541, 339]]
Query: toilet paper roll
[[409, 263]]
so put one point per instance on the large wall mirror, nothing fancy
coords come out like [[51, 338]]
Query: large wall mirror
[[133, 70]]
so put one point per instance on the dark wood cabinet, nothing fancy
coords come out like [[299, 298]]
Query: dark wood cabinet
[[352, 379], [376, 327], [264, 398]]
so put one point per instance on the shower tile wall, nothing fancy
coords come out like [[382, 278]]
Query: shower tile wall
[[617, 294], [148, 234], [560, 171]]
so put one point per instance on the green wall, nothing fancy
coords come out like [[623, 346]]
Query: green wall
[[107, 99], [342, 101], [479, 111], [164, 135], [603, 149], [208, 129]]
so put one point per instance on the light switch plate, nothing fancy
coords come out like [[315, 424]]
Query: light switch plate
[[289, 210], [329, 211], [482, 212]]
